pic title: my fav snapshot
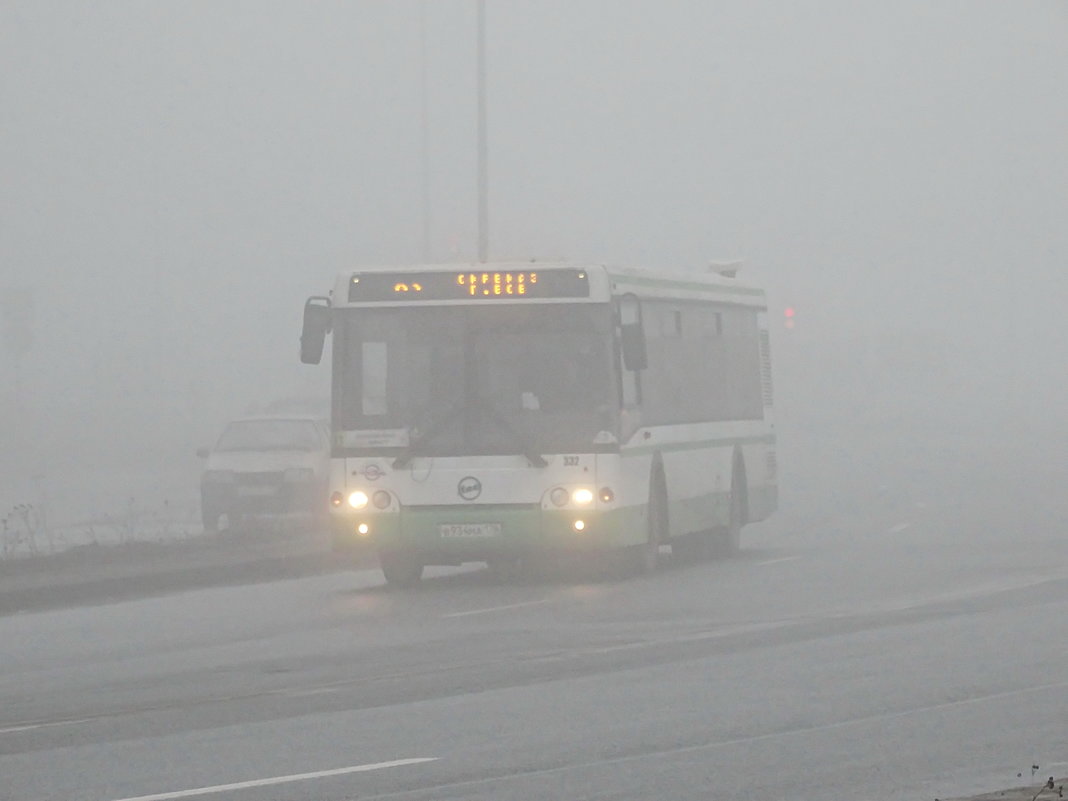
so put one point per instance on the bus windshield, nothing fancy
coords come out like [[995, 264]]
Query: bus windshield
[[464, 380]]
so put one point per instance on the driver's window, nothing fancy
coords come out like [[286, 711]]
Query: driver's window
[[630, 380]]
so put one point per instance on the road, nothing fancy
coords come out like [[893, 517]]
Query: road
[[909, 645]]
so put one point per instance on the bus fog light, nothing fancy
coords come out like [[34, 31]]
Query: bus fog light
[[579, 525], [559, 496], [606, 495], [582, 496], [358, 500], [381, 499], [363, 529]]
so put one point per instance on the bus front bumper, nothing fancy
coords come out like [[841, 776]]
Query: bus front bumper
[[470, 533]]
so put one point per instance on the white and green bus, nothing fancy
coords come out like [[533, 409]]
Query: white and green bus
[[498, 412]]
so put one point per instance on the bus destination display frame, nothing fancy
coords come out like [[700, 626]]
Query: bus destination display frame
[[468, 285]]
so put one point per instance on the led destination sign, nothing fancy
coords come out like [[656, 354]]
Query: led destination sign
[[469, 285]]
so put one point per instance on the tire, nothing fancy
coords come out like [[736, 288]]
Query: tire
[[728, 541], [401, 568], [501, 570], [210, 518], [645, 558], [697, 546]]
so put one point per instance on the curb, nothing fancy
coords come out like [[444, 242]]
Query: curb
[[1053, 789], [106, 575]]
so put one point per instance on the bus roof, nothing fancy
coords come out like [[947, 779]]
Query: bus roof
[[605, 282]]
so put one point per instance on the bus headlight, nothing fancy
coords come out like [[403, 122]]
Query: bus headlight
[[382, 499], [582, 496], [358, 500], [336, 499], [606, 495], [559, 496]]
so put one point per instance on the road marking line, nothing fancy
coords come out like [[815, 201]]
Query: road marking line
[[898, 528], [726, 631], [296, 777], [308, 692], [778, 561], [496, 608], [31, 726], [971, 593], [717, 744]]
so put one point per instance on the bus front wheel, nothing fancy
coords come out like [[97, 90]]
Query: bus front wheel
[[645, 558], [401, 568]]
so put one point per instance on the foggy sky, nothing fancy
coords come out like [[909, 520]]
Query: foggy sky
[[178, 177]]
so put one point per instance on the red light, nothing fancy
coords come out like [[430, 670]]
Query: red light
[[788, 312]]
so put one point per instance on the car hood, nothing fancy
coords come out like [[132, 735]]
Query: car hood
[[264, 461]]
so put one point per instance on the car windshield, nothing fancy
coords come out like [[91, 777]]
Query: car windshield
[[462, 380], [270, 435]]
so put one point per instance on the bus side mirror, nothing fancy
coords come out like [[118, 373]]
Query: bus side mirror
[[632, 338], [316, 325]]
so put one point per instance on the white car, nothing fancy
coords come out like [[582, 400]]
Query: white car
[[277, 465]]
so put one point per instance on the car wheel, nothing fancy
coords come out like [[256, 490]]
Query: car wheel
[[210, 518]]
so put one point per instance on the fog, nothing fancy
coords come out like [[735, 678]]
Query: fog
[[177, 178]]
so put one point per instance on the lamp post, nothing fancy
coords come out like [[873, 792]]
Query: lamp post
[[483, 212], [424, 132]]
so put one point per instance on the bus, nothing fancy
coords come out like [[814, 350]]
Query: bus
[[500, 412]]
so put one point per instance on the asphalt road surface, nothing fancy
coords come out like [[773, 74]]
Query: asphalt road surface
[[911, 643]]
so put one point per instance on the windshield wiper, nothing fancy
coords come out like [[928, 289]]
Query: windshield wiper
[[417, 444], [525, 447]]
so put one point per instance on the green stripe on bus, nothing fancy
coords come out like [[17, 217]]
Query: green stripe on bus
[[696, 445], [669, 283]]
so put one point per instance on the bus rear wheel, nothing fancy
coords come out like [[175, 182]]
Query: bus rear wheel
[[401, 568], [728, 541], [697, 546]]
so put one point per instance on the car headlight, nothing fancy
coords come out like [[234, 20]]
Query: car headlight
[[219, 476], [358, 499], [298, 474]]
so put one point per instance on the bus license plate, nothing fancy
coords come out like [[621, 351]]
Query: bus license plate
[[465, 531]]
